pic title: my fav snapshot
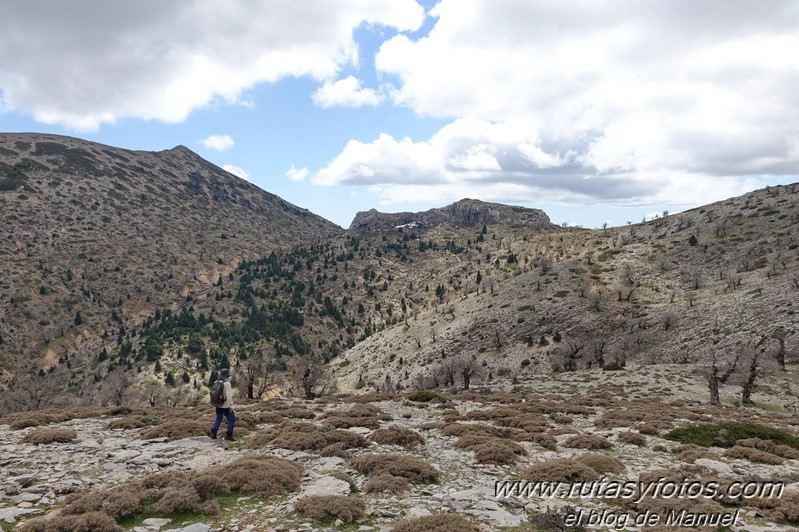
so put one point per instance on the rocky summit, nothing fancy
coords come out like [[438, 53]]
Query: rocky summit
[[463, 213]]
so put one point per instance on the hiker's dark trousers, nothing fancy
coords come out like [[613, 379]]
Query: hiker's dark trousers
[[230, 418]]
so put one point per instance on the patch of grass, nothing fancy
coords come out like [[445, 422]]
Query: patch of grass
[[726, 434], [425, 396]]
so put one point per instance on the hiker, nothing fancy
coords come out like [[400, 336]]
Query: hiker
[[225, 409]]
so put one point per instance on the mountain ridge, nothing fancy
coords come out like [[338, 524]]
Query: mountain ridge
[[463, 213]]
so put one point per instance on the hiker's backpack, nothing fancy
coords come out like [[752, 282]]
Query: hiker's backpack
[[218, 393]]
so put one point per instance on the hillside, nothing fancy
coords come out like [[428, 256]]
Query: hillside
[[96, 237], [676, 289]]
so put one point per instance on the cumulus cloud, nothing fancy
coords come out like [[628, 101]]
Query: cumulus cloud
[[218, 142], [345, 92], [629, 102], [160, 60], [296, 175], [237, 171]]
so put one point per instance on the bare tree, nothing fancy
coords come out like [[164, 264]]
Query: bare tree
[[717, 366], [668, 320], [468, 368], [117, 388], [753, 359], [780, 335], [32, 389], [310, 376], [255, 377]]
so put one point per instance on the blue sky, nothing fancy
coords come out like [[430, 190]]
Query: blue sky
[[602, 113]]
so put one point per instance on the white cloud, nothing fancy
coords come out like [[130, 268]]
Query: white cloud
[[218, 142], [296, 175], [616, 102], [237, 171], [345, 92], [159, 60]]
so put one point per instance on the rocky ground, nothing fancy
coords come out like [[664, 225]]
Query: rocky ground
[[39, 478]]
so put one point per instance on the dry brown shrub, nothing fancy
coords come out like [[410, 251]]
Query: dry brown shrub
[[343, 507], [649, 429], [299, 441], [395, 435], [490, 450], [786, 452], [753, 455], [208, 486], [122, 502], [633, 438], [88, 522], [787, 508], [561, 419], [601, 463], [346, 437], [497, 412], [181, 499], [588, 441], [298, 412], [527, 422], [560, 431], [336, 449], [164, 480], [434, 425], [48, 435], [269, 417], [346, 422], [769, 446], [436, 523], [265, 475], [544, 440], [211, 507], [387, 483], [132, 422], [690, 453], [176, 430], [400, 466], [474, 429], [559, 469]]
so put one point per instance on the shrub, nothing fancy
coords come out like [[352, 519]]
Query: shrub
[[601, 463], [632, 438], [726, 434], [787, 509], [174, 500], [345, 422], [265, 475], [396, 435], [425, 396], [490, 450], [92, 521], [336, 449], [176, 430], [588, 441], [436, 523], [298, 412], [132, 422], [559, 469], [47, 435], [399, 466], [387, 483], [612, 366], [122, 502], [345, 437], [753, 455], [208, 486], [321, 507]]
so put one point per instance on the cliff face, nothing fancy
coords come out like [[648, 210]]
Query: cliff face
[[464, 213]]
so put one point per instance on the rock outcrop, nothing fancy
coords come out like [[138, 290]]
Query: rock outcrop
[[464, 213]]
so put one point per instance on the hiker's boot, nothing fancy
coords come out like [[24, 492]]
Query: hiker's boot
[[212, 434], [229, 437]]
